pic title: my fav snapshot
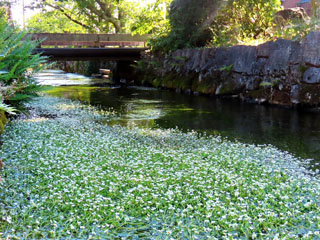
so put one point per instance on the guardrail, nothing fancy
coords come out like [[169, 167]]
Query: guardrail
[[90, 40]]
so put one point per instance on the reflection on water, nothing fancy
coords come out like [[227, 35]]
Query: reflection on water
[[297, 132], [60, 78]]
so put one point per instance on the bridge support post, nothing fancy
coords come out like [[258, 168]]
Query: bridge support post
[[123, 72]]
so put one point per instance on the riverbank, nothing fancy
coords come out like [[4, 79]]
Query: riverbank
[[281, 72], [69, 176]]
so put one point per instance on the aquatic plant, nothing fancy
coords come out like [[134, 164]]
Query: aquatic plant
[[68, 176]]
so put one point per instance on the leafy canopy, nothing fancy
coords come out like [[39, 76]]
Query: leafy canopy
[[102, 16], [53, 22]]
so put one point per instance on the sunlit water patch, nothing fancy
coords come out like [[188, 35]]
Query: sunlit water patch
[[60, 78]]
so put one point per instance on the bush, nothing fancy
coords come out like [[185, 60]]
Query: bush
[[17, 63], [245, 21]]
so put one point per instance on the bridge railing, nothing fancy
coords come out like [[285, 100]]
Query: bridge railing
[[90, 40]]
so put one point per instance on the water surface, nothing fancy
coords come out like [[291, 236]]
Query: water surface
[[290, 130]]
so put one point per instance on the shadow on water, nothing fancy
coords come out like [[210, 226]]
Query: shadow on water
[[290, 130]]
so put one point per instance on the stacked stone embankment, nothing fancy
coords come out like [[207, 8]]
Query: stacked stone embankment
[[281, 72]]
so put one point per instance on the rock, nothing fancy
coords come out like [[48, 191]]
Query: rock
[[211, 63], [258, 66], [294, 94], [280, 97], [296, 54], [295, 74], [285, 16], [309, 94], [191, 54], [283, 72], [222, 58], [264, 50], [280, 57], [231, 86], [205, 56], [196, 61], [188, 91], [252, 83], [312, 76], [243, 58], [178, 90], [311, 49]]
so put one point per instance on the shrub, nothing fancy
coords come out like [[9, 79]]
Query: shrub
[[17, 63], [244, 21]]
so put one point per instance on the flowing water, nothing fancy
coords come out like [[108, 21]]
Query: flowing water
[[290, 130]]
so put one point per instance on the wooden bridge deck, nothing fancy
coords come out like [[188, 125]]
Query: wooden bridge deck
[[90, 40], [85, 54], [66, 46]]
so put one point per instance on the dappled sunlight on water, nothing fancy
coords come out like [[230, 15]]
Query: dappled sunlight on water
[[290, 130], [60, 78]]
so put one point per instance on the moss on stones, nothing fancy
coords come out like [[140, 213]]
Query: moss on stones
[[303, 68], [261, 93]]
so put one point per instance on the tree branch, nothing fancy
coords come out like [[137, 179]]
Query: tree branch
[[68, 16], [114, 21]]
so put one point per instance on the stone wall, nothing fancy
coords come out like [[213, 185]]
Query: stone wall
[[282, 72]]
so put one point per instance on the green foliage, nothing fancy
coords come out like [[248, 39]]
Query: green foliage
[[296, 30], [6, 108], [150, 19], [103, 16], [244, 21], [298, 24], [227, 68], [219, 23], [53, 22], [17, 63], [273, 83], [303, 68]]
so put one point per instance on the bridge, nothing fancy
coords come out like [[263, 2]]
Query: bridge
[[83, 47]]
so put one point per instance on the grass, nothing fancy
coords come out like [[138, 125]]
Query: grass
[[68, 176]]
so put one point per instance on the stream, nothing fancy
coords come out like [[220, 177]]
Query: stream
[[290, 130]]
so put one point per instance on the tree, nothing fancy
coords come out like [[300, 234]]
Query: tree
[[6, 4], [190, 20], [189, 24], [53, 22], [93, 15], [150, 19], [107, 16]]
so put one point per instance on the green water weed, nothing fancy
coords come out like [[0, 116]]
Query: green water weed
[[67, 176]]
